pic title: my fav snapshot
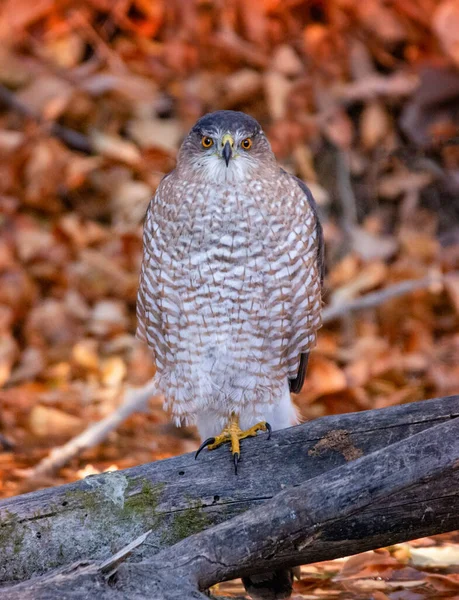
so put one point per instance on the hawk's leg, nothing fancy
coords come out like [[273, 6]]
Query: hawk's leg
[[233, 434]]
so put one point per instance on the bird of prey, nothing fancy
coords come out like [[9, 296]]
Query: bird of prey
[[230, 286]]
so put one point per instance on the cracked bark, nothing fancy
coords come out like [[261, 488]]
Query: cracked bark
[[321, 507]]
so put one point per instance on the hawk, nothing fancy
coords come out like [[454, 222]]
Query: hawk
[[230, 285]]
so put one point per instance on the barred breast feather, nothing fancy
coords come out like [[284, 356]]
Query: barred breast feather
[[230, 291]]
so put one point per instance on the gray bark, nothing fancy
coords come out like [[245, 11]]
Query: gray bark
[[328, 488]]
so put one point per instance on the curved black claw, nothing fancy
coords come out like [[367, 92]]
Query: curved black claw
[[236, 460], [205, 443], [269, 429]]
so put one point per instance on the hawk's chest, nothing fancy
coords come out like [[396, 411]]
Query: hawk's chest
[[218, 224]]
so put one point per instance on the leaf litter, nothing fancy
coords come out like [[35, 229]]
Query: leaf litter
[[359, 99]]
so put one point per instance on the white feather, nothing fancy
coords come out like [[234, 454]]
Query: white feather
[[280, 415]]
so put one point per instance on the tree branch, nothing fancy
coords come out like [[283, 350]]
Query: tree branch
[[332, 487]]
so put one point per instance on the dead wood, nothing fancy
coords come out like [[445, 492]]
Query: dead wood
[[328, 488]]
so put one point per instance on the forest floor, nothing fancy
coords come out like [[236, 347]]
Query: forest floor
[[359, 99]]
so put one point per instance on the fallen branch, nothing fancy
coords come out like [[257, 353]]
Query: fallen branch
[[330, 313], [134, 401], [396, 85], [91, 519], [405, 486]]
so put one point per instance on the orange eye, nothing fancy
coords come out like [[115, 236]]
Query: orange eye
[[246, 144], [207, 142]]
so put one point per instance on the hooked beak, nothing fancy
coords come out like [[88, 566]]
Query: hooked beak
[[227, 152]]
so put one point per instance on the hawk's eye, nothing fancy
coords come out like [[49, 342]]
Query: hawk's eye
[[246, 144], [207, 142]]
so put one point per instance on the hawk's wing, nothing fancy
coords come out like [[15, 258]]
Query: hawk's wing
[[149, 321], [297, 383]]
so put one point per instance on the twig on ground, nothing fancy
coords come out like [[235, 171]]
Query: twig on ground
[[135, 400], [72, 139], [396, 85], [375, 299], [5, 443], [346, 192]]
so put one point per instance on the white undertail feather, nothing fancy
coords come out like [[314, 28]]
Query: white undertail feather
[[280, 415]]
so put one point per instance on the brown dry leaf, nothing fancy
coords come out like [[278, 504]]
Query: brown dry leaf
[[378, 595], [113, 371], [31, 365], [418, 244], [50, 324], [17, 291], [358, 373], [324, 377], [10, 140], [446, 26], [286, 61], [443, 583], [45, 421], [338, 128], [344, 270], [43, 172], [254, 20], [410, 393], [304, 160], [85, 354], [47, 96], [108, 317], [374, 124], [16, 15], [115, 148], [452, 287], [6, 318], [392, 186], [14, 71], [159, 133], [367, 564], [134, 87], [370, 246], [241, 86], [130, 201], [65, 50], [382, 21], [81, 232], [277, 90], [102, 271], [9, 352], [78, 169], [32, 241], [370, 276]]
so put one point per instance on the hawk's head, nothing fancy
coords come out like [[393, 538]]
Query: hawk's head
[[225, 146]]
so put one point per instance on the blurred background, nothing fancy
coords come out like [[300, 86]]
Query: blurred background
[[359, 99]]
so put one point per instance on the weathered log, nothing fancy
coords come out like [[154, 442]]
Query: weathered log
[[404, 485]]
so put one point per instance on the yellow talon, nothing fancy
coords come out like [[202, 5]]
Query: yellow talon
[[233, 434]]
